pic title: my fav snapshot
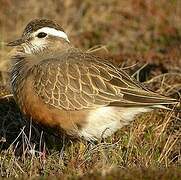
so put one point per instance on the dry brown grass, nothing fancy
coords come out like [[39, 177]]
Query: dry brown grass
[[135, 33]]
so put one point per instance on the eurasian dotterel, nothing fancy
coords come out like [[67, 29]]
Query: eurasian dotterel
[[61, 86]]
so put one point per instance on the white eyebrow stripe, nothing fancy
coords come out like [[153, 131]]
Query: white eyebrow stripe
[[53, 32]]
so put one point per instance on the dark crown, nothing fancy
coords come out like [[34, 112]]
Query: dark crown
[[36, 24]]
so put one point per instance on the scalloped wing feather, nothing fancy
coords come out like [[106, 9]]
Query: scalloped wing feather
[[77, 80]]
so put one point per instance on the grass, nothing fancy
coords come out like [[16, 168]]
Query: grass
[[140, 36]]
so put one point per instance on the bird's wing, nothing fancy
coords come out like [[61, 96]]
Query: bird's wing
[[75, 81]]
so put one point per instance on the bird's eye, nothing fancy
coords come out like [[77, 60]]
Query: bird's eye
[[41, 35]]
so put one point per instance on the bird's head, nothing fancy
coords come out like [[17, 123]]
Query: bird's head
[[40, 35]]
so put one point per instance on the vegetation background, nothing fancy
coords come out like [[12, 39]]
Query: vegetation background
[[141, 36]]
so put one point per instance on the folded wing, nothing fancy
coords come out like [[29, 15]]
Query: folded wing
[[74, 81]]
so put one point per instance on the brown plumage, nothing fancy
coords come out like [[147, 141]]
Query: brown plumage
[[79, 93]]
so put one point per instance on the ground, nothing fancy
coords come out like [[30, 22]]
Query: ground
[[144, 38]]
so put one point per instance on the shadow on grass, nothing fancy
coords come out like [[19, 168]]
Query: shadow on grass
[[22, 134]]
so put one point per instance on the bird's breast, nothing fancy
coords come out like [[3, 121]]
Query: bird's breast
[[33, 106]]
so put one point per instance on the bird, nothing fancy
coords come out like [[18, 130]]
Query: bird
[[64, 87]]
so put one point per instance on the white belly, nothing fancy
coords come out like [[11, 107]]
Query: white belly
[[104, 121]]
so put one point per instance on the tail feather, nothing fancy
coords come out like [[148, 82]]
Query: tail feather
[[141, 98]]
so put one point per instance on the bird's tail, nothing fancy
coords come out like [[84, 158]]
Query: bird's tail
[[142, 98]]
